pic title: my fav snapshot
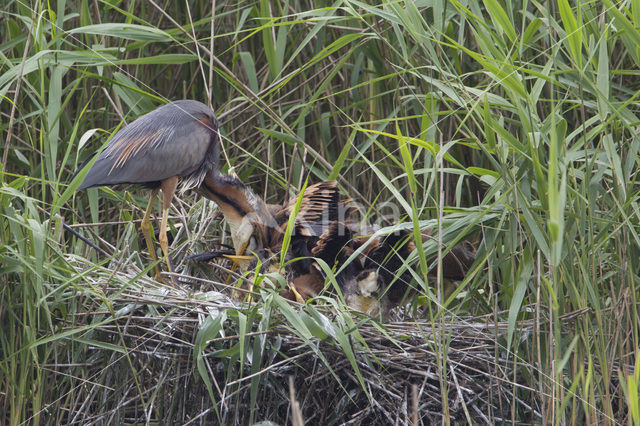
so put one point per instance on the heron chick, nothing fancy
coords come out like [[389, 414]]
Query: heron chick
[[372, 271]]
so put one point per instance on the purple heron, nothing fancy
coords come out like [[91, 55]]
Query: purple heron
[[177, 143], [372, 274]]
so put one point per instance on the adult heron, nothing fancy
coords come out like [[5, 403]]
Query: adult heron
[[177, 143]]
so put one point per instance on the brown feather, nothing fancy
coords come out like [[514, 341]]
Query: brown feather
[[319, 206], [325, 230], [307, 285], [125, 148]]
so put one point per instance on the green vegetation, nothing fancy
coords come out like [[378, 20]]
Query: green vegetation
[[513, 124]]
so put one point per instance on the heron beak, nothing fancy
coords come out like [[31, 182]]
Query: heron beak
[[240, 253], [237, 258]]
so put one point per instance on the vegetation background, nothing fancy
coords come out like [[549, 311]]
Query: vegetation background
[[511, 123]]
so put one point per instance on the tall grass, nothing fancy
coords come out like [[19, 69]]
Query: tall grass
[[511, 123]]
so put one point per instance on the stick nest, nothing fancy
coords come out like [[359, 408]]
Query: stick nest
[[148, 355]]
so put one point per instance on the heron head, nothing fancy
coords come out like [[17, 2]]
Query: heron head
[[364, 293], [247, 215]]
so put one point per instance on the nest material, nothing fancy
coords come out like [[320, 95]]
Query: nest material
[[141, 366]]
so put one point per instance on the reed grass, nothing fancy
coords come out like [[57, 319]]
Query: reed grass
[[512, 124]]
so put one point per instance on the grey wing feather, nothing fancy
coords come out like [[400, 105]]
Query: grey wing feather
[[171, 141]]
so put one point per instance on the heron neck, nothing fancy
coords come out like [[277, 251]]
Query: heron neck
[[236, 200]]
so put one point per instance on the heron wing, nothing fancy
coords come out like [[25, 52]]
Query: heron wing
[[171, 141], [321, 206]]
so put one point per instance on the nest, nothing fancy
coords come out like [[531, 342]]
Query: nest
[[157, 354]]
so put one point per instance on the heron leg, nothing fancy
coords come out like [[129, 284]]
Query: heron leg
[[168, 187], [145, 226]]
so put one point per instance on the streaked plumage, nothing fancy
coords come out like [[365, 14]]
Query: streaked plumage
[[378, 279], [371, 275], [259, 228], [178, 143]]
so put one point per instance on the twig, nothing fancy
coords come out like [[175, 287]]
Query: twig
[[296, 413], [87, 241]]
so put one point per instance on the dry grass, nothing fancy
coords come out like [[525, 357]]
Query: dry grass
[[138, 366]]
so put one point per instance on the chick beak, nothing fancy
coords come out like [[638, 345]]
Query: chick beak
[[298, 296]]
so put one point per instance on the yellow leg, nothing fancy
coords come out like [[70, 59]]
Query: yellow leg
[[146, 231], [168, 188], [233, 269], [164, 242]]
